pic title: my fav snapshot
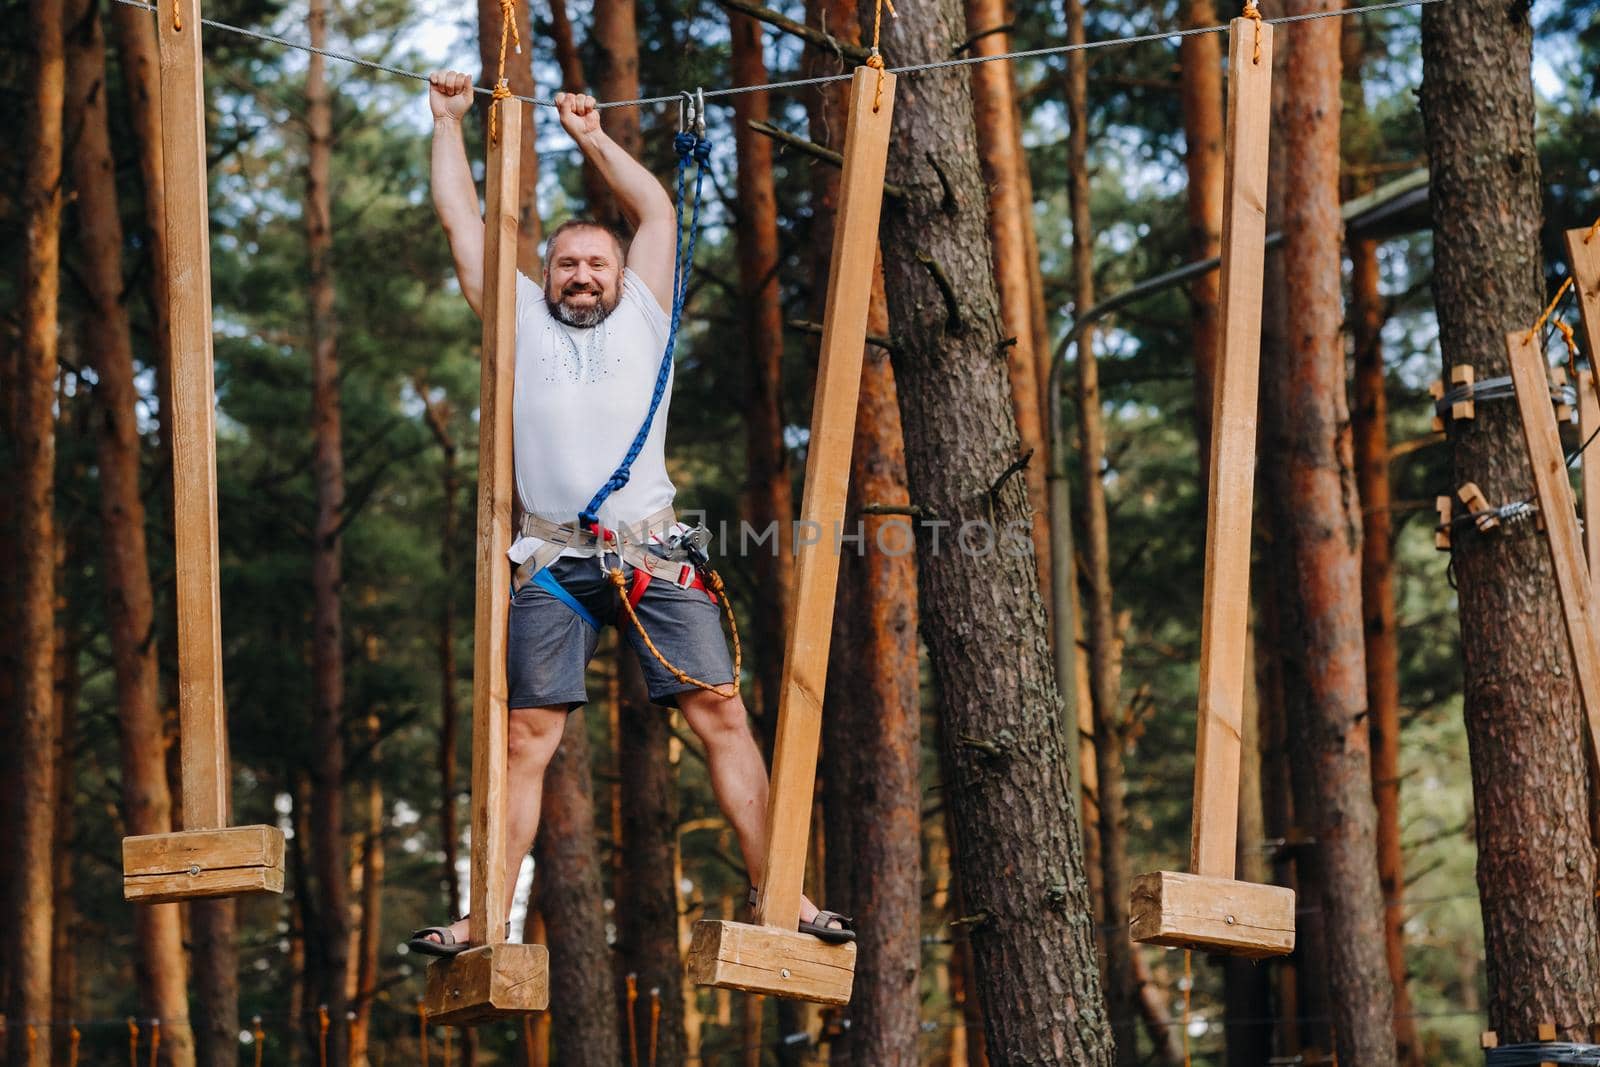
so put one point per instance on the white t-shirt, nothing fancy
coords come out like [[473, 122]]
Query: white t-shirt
[[580, 397]]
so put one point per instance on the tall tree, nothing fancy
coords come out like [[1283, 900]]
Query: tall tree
[[1317, 535], [1536, 862], [1003, 736], [35, 451], [1121, 986], [873, 719], [995, 111], [1200, 72], [768, 491], [616, 77], [1370, 425], [64, 932], [647, 894], [146, 801], [571, 898], [363, 983], [329, 946]]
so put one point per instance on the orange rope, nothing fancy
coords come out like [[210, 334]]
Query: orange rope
[[177, 17], [875, 60], [155, 1040], [1550, 308], [447, 1047], [133, 1043], [502, 89], [33, 1041], [1594, 229], [73, 1037], [1253, 13], [322, 1034], [422, 1030], [731, 690], [261, 1037], [633, 1037]]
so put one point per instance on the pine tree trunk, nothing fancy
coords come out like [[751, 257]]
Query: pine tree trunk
[[147, 805], [1380, 626], [994, 107], [329, 947], [1003, 735], [872, 735], [1200, 59], [436, 413], [1317, 531], [372, 872], [64, 918], [595, 193], [1121, 985], [519, 76], [31, 918], [647, 900], [214, 932], [1246, 983], [568, 886], [768, 493], [616, 77], [1536, 862]]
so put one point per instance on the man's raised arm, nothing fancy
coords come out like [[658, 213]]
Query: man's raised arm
[[455, 197], [643, 201]]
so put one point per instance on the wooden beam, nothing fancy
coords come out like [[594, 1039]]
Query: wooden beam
[[1583, 252], [203, 734], [486, 926], [764, 959], [1226, 603], [844, 334], [157, 868], [487, 983], [1589, 463], [1214, 914], [1528, 375]]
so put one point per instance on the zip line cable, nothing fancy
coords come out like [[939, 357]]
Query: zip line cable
[[800, 83]]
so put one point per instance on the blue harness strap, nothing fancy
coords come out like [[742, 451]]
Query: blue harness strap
[[688, 145], [547, 581]]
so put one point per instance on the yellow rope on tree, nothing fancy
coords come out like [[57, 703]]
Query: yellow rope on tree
[[261, 1037], [133, 1043], [1549, 308], [155, 1040], [1593, 229], [73, 1037], [875, 59]]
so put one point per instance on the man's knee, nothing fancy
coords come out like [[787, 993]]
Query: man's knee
[[714, 718], [533, 735]]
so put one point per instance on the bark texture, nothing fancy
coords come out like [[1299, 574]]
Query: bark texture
[[872, 736], [769, 497], [981, 615], [1379, 623], [568, 887], [994, 106], [35, 456], [160, 967], [1309, 469], [1536, 862], [1200, 73], [616, 77], [329, 948], [647, 889]]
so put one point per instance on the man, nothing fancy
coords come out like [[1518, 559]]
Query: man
[[589, 347]]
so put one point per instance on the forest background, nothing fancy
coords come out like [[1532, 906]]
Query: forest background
[[346, 386]]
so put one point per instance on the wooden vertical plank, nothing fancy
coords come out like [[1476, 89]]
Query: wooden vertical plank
[[1226, 610], [1588, 424], [1583, 252], [201, 713], [487, 922], [844, 332], [1528, 375]]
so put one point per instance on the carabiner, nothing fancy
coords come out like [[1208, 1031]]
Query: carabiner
[[686, 114], [700, 116]]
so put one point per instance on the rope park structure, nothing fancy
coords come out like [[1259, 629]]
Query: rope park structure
[[1205, 909]]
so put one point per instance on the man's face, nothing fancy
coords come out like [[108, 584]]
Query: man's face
[[583, 277]]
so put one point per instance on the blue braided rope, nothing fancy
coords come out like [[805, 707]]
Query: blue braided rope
[[699, 148]]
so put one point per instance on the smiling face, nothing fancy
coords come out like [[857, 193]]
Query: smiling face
[[583, 275]]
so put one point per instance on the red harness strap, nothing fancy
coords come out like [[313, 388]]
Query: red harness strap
[[641, 581]]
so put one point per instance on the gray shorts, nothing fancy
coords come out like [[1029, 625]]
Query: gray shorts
[[549, 645]]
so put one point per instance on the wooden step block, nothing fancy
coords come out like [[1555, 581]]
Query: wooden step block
[[487, 983], [1212, 914], [765, 959], [158, 868]]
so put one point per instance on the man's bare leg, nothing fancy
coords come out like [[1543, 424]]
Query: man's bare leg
[[532, 737], [738, 775]]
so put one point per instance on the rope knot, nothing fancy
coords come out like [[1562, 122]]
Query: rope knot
[[502, 91], [875, 61], [702, 150], [684, 143], [508, 21], [1253, 13]]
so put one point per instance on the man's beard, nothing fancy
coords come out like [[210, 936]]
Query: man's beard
[[580, 317]]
